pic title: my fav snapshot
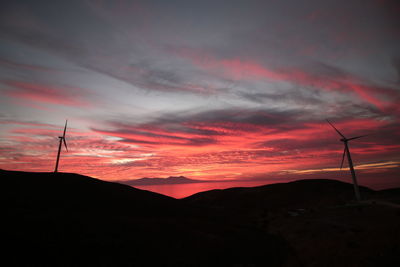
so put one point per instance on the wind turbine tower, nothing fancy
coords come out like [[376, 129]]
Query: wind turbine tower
[[347, 151], [62, 140]]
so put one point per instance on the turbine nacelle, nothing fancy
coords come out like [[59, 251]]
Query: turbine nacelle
[[352, 138]]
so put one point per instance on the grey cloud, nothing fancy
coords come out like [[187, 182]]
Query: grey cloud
[[225, 118], [396, 65]]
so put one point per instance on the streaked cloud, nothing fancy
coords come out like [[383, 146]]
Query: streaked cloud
[[370, 166], [46, 94], [202, 89]]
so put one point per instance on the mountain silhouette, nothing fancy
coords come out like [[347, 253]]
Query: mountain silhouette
[[64, 219], [161, 181], [293, 195], [59, 191], [319, 219]]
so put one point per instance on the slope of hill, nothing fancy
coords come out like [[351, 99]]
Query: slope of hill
[[56, 191], [293, 195], [319, 219], [71, 220]]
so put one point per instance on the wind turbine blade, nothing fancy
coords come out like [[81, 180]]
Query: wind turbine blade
[[357, 137], [65, 128], [344, 153], [336, 129], [65, 144]]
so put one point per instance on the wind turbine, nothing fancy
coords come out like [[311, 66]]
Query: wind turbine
[[347, 151], [62, 140]]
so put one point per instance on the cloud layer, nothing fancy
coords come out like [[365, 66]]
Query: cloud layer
[[206, 89]]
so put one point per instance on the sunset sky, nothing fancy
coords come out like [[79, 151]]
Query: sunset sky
[[206, 89]]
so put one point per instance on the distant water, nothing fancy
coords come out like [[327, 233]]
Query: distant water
[[184, 190]]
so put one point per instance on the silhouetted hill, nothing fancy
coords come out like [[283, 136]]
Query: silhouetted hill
[[392, 195], [319, 219], [161, 181], [63, 219], [293, 195], [56, 191], [67, 219]]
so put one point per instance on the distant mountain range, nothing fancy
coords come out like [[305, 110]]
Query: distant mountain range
[[161, 181]]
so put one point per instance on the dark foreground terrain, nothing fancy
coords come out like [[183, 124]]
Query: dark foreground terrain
[[319, 220], [72, 220]]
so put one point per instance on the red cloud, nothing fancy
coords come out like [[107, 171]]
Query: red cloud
[[47, 94], [238, 69], [199, 148], [235, 147]]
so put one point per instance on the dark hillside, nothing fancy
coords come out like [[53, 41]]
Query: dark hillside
[[72, 220], [62, 191], [319, 219], [275, 197]]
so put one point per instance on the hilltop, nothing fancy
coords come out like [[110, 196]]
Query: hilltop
[[319, 219], [65, 219], [292, 195], [56, 191]]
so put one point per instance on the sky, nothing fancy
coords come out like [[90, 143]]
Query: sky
[[211, 90]]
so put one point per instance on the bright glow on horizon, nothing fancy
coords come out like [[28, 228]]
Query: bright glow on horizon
[[371, 166]]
